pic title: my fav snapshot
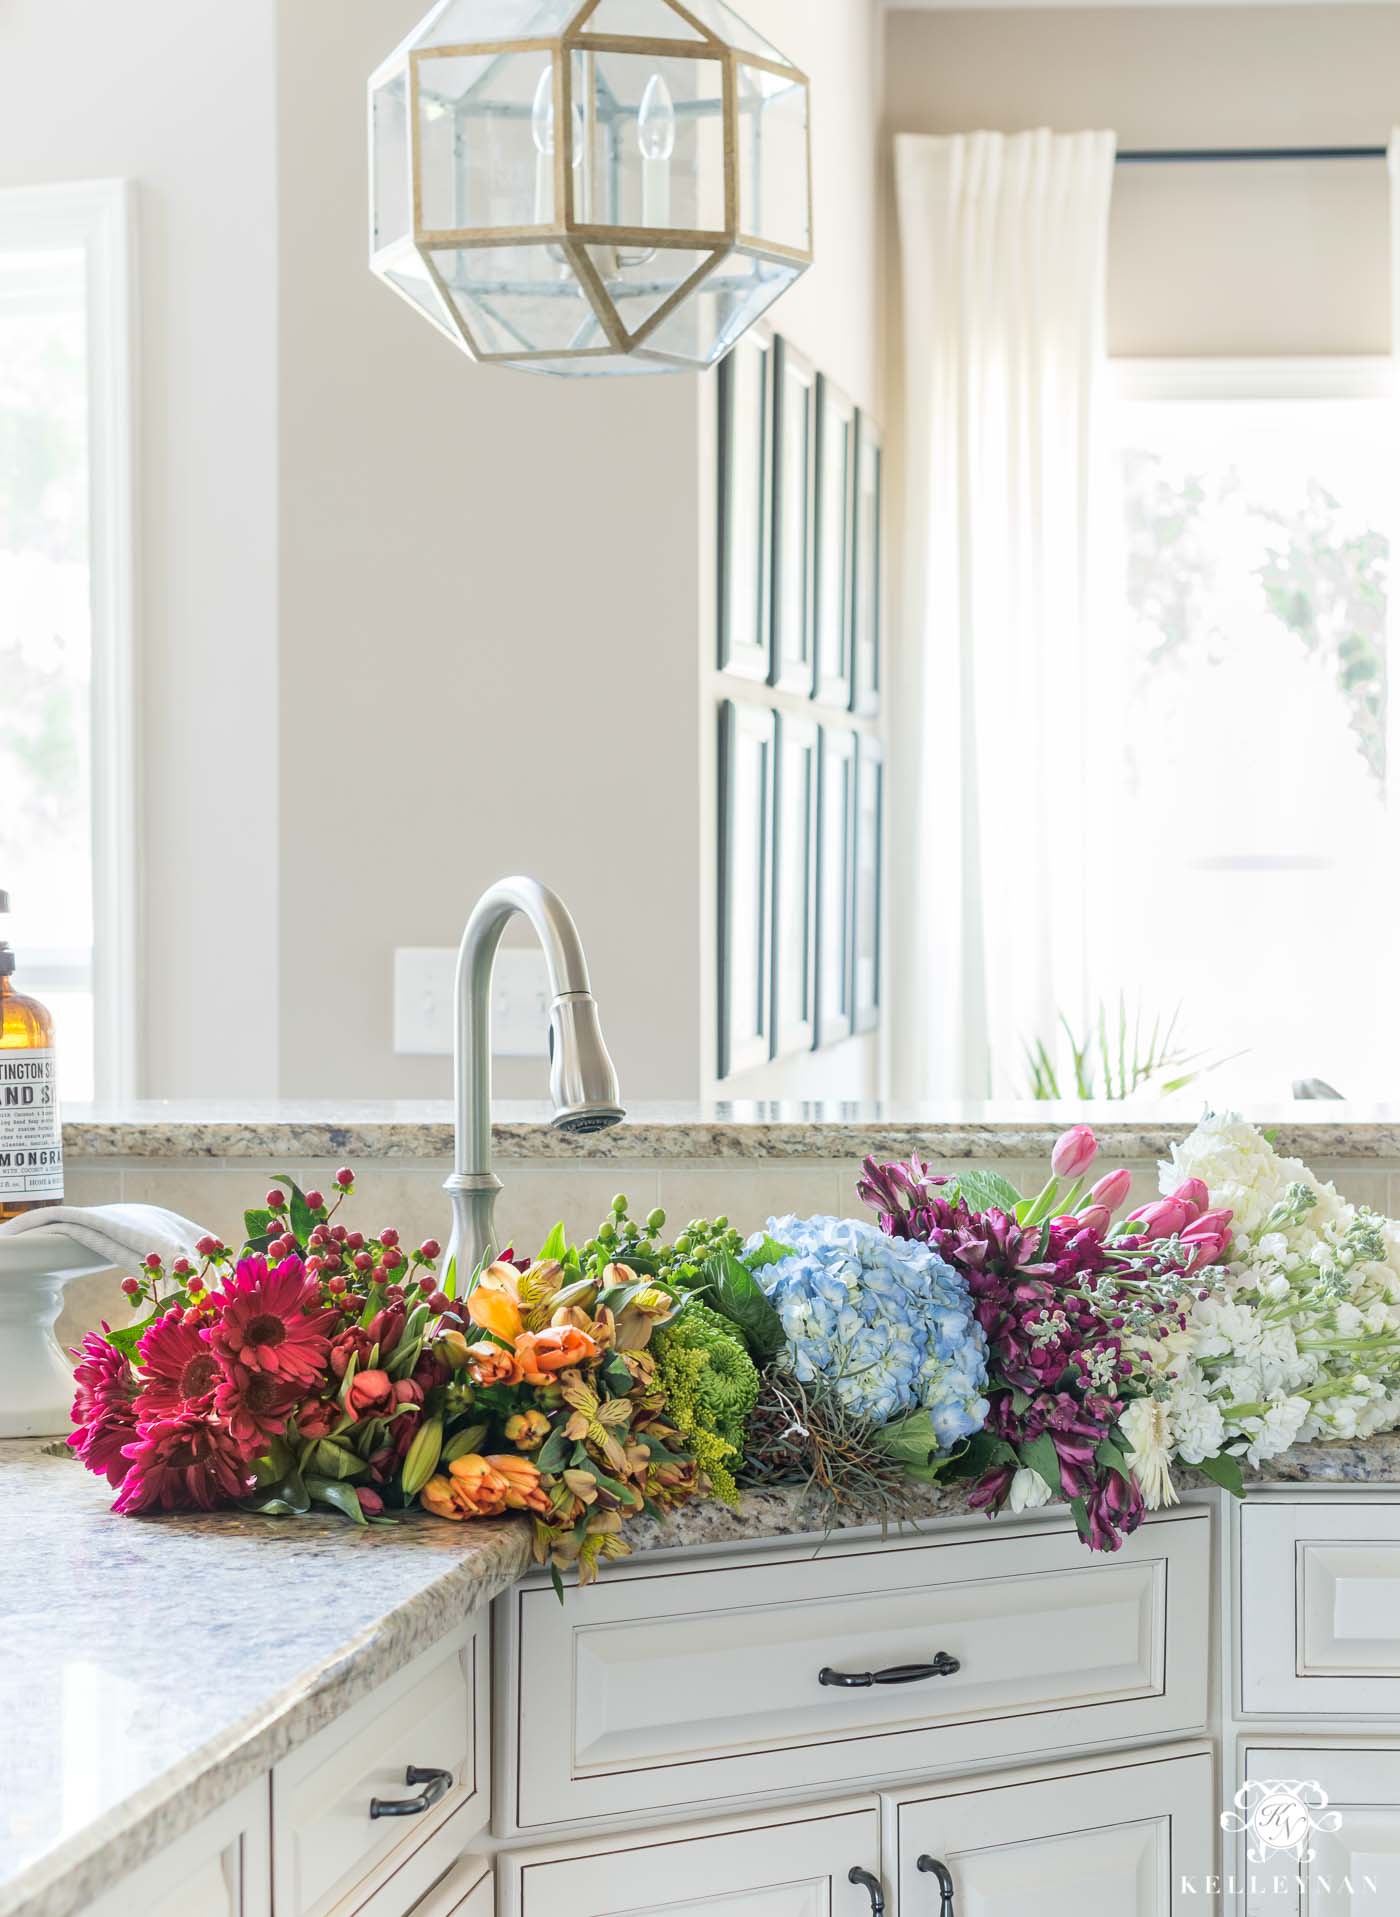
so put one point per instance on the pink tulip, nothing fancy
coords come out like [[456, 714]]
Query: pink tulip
[[1160, 1220], [1210, 1224], [1074, 1152], [1112, 1189], [1095, 1218], [1194, 1194], [1206, 1250]]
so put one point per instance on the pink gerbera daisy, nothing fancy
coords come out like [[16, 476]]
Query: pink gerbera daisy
[[184, 1463], [178, 1369], [255, 1405], [103, 1407], [272, 1321]]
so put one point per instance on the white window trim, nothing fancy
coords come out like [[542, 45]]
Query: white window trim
[[1319, 377], [100, 216]]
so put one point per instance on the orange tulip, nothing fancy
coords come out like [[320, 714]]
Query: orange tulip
[[544, 1353], [492, 1364], [526, 1492], [495, 1302], [473, 1488]]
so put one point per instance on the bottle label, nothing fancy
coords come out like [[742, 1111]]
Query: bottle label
[[31, 1135]]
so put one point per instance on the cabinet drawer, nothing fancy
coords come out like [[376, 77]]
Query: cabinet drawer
[[1320, 1607], [1116, 1838], [468, 1890], [664, 1687], [774, 1865], [330, 1853], [1347, 1863]]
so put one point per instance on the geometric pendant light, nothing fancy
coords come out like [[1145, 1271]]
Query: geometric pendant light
[[590, 186]]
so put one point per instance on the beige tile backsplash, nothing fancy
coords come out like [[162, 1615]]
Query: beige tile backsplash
[[410, 1197]]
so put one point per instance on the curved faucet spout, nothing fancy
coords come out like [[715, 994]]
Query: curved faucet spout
[[583, 1083]]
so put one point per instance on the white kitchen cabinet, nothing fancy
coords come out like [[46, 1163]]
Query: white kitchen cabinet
[[1116, 1838], [667, 1686], [420, 1739], [468, 1890], [1354, 1868], [221, 1868], [793, 1865], [1320, 1607]]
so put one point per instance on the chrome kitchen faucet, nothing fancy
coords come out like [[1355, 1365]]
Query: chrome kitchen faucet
[[582, 1081]]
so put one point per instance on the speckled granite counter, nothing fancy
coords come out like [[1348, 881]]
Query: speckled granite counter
[[1316, 1131], [156, 1666]]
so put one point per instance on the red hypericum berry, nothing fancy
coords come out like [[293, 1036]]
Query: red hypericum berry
[[180, 1267], [363, 1261], [335, 1284], [313, 1267], [345, 1178], [388, 1236], [430, 1248], [275, 1200], [195, 1286], [315, 1200], [206, 1246], [393, 1294], [392, 1259], [354, 1239], [132, 1287], [440, 1302], [340, 1234], [190, 1315], [153, 1261], [427, 1285]]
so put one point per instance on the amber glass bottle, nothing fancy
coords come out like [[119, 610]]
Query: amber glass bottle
[[31, 1138]]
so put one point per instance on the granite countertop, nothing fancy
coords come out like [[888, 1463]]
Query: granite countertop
[[156, 1666], [159, 1665], [328, 1129]]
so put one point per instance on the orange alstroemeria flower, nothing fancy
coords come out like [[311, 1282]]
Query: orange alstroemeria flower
[[526, 1492], [542, 1354], [494, 1303], [492, 1364], [473, 1488]]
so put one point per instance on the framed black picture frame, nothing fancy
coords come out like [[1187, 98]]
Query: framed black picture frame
[[745, 508], [745, 877], [794, 518], [835, 1010], [793, 940], [868, 580], [868, 886], [833, 554]]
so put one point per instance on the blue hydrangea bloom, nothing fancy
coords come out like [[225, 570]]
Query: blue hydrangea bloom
[[884, 1319]]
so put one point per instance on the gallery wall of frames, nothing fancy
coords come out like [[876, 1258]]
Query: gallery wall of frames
[[801, 770]]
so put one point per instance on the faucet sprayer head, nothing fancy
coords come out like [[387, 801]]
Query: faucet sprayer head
[[582, 1081]]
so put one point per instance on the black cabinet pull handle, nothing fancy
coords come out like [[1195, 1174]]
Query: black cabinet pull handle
[[942, 1666], [436, 1785], [943, 1877], [872, 1886]]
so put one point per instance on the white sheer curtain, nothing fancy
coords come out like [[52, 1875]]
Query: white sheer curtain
[[1003, 242]]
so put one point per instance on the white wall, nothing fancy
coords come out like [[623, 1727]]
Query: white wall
[[178, 95]]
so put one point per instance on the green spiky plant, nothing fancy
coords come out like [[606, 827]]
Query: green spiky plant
[[1118, 1057]]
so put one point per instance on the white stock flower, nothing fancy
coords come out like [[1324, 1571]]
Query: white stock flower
[[1028, 1490]]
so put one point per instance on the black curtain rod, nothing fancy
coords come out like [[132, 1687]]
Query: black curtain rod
[[1209, 155]]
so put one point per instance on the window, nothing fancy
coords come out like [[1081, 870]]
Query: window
[[1241, 672], [66, 802]]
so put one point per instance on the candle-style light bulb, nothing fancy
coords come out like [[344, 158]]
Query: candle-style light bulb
[[542, 129], [656, 136]]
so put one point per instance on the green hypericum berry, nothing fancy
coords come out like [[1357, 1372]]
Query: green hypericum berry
[[619, 1205], [655, 1220]]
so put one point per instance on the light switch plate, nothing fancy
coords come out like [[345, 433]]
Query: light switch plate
[[423, 983]]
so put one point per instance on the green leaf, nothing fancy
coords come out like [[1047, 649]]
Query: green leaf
[[556, 1244], [1081, 1516], [1109, 1454], [329, 1460], [126, 1337], [1042, 1457], [287, 1498], [1224, 1471], [257, 1224], [737, 1295], [617, 1377], [553, 1454], [449, 1278], [770, 1252], [912, 1442], [556, 1581], [301, 1217], [987, 1191], [339, 1497]]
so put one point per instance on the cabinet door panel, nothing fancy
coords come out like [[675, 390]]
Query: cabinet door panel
[[798, 1866], [219, 1869], [1355, 1868], [1128, 1840]]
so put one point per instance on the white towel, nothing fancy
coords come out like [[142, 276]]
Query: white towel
[[123, 1233]]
